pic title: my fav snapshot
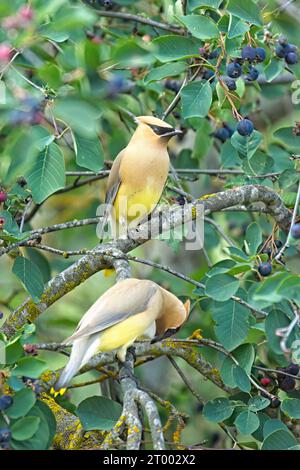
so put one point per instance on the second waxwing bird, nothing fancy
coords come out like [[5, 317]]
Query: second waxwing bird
[[130, 309], [139, 173]]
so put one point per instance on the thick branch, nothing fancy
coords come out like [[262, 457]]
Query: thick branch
[[99, 258]]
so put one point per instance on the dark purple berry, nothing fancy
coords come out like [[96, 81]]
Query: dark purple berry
[[275, 402], [287, 384], [282, 40], [290, 48], [230, 130], [222, 134], [267, 251], [21, 181], [249, 53], [253, 74], [260, 54], [1, 315], [172, 85], [265, 269], [5, 435], [234, 70], [5, 402], [230, 83], [292, 369], [208, 74], [245, 127], [280, 52], [291, 58], [295, 231], [214, 54]]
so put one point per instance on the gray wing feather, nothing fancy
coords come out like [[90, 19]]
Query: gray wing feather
[[104, 317]]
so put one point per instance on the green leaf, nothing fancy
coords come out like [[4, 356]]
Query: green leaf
[[196, 99], [246, 146], [175, 47], [247, 422], [24, 400], [273, 425], [232, 323], [30, 367], [275, 320], [241, 379], [268, 289], [98, 413], [258, 403], [237, 27], [81, 116], [291, 406], [25, 428], [273, 69], [221, 287], [279, 440], [203, 140], [244, 354], [89, 152], [166, 70], [43, 437], [218, 410], [287, 136], [193, 4], [13, 351], [48, 173], [134, 53], [247, 11], [200, 26], [30, 276], [253, 238]]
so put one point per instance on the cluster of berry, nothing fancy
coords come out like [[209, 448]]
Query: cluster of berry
[[286, 51]]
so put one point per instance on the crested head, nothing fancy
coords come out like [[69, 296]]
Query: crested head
[[156, 127]]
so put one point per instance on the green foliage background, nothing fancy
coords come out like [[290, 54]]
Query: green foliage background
[[82, 71]]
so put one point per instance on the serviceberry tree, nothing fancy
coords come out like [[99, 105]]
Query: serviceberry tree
[[72, 76]]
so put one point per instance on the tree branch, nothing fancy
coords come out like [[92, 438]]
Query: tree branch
[[102, 256]]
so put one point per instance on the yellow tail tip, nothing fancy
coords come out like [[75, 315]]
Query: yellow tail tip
[[108, 272], [55, 393]]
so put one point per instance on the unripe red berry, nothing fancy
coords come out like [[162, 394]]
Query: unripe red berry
[[2, 222], [4, 53], [26, 12], [265, 381], [3, 196]]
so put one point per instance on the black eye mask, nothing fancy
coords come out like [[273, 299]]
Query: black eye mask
[[164, 131]]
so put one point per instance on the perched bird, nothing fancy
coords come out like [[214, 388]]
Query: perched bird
[[130, 309], [138, 174]]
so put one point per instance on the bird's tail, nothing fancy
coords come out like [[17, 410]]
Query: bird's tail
[[76, 361]]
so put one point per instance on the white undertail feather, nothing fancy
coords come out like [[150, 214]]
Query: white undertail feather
[[82, 351]]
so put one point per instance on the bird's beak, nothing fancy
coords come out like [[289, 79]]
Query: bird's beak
[[172, 133]]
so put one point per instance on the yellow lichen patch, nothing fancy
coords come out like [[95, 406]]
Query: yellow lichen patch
[[108, 272], [206, 196], [216, 373], [196, 335]]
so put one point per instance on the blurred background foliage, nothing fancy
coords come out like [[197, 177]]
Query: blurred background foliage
[[70, 77]]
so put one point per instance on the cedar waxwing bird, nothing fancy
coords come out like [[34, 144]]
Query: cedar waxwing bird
[[130, 309], [138, 174]]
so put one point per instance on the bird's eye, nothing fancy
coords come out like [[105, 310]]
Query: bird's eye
[[160, 130]]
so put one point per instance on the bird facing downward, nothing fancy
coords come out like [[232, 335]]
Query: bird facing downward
[[138, 174], [130, 309]]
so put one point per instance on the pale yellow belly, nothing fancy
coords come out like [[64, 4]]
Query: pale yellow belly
[[125, 333], [131, 204]]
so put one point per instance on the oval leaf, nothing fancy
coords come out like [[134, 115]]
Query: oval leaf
[[98, 413]]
